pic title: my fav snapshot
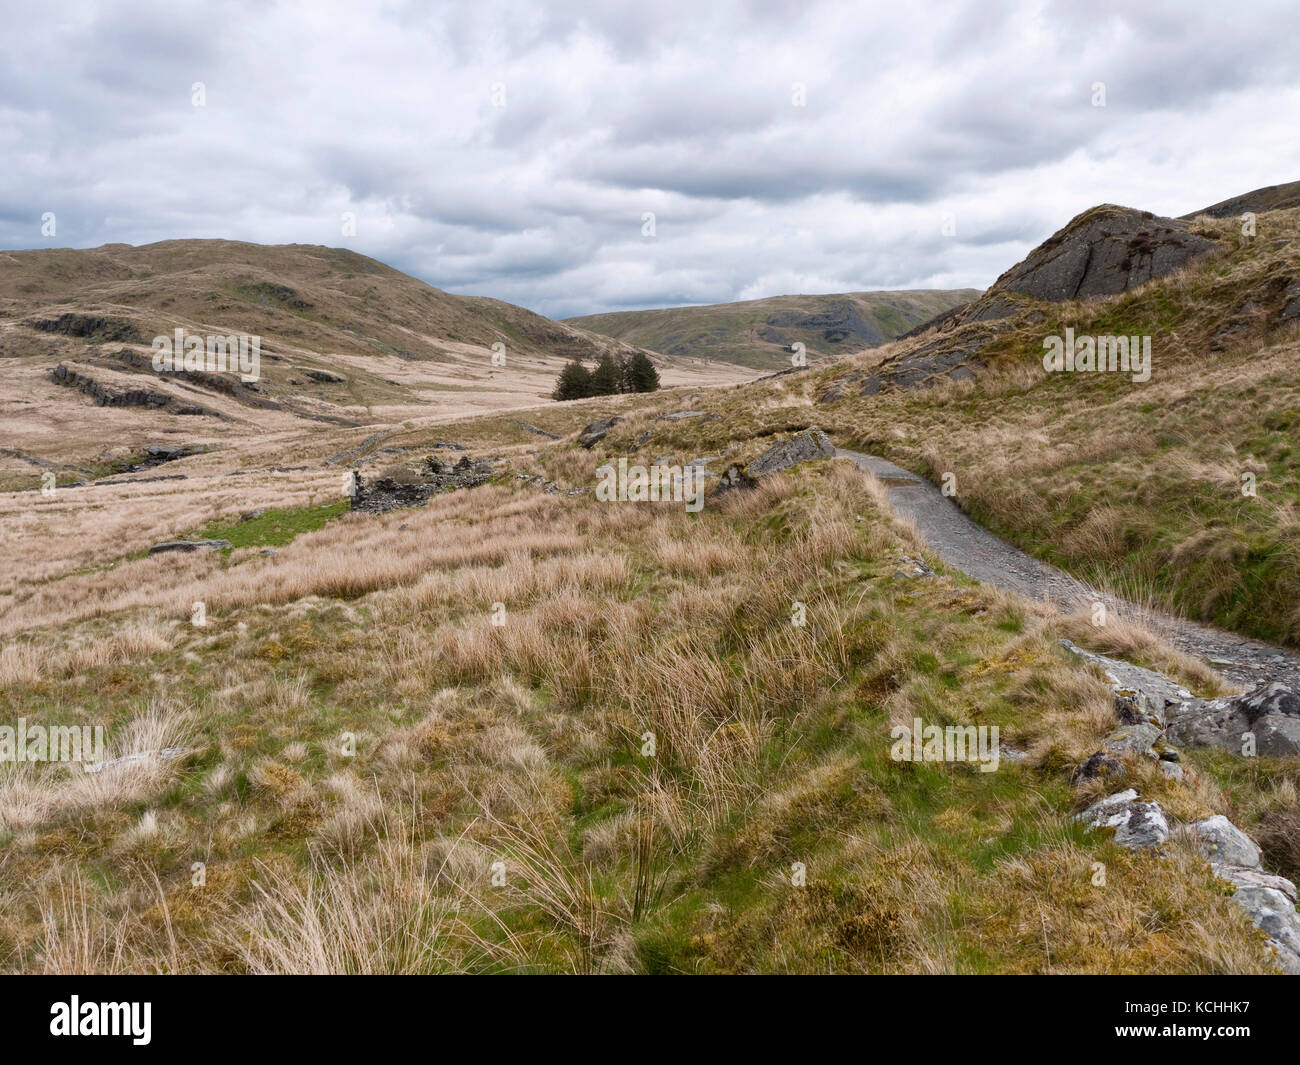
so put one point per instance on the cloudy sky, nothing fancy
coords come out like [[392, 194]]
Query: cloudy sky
[[516, 149]]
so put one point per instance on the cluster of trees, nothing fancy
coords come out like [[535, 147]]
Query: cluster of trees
[[635, 373]]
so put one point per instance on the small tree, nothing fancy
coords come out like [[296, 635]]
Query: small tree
[[574, 382], [606, 378], [641, 374]]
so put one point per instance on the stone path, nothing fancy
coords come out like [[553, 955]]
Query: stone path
[[971, 548]]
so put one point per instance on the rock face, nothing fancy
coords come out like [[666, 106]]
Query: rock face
[[1270, 712], [386, 493], [594, 433], [1103, 251], [106, 394], [189, 545]]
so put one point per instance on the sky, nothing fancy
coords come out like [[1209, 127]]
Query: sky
[[576, 158]]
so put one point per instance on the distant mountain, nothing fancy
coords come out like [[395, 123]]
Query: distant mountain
[[759, 333]]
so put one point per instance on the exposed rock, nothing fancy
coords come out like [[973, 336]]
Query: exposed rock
[[907, 566], [325, 377], [1101, 765], [1104, 251], [1138, 691], [594, 433], [108, 394], [447, 446], [1222, 841], [536, 431], [90, 327], [1275, 915], [1270, 711], [354, 452], [1245, 876], [189, 545], [167, 754], [810, 444], [1137, 825], [1133, 739], [681, 415], [386, 493]]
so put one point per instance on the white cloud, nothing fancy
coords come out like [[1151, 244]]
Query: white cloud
[[982, 111]]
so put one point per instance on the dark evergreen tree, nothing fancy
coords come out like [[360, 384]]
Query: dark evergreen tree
[[574, 382], [606, 379], [640, 374]]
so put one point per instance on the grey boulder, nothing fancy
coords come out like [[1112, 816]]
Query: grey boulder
[[1270, 712]]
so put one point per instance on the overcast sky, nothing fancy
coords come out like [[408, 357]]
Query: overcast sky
[[513, 149]]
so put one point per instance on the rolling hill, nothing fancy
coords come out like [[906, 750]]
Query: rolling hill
[[758, 333], [345, 341]]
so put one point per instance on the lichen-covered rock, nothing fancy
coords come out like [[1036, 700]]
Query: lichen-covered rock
[[1137, 825], [1270, 712], [1245, 876], [1274, 914], [1222, 841]]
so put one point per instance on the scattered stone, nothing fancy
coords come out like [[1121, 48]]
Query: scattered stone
[[448, 446], [912, 567], [386, 493], [681, 415], [535, 430], [167, 754], [594, 433], [253, 515], [189, 545]]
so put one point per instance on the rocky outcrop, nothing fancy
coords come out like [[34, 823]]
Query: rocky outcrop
[[1270, 712], [107, 394], [390, 493], [94, 327], [1104, 251], [806, 446], [1145, 701]]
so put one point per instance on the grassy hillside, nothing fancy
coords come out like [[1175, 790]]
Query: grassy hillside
[[345, 341], [759, 333], [1134, 486], [371, 776]]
